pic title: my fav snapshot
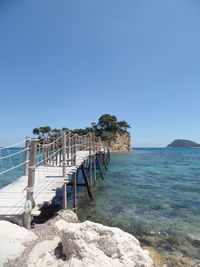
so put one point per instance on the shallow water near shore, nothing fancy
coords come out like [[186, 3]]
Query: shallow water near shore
[[153, 193]]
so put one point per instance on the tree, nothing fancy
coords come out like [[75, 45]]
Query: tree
[[66, 130], [88, 130], [44, 130], [107, 127], [94, 126], [107, 122], [36, 131], [123, 125]]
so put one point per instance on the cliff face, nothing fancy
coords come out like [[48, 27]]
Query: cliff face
[[121, 142]]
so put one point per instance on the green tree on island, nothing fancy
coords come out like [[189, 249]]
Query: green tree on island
[[108, 126], [42, 131], [110, 123]]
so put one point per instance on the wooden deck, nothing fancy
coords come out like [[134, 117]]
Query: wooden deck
[[47, 180], [50, 164]]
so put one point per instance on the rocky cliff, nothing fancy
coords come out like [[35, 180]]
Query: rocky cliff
[[121, 142]]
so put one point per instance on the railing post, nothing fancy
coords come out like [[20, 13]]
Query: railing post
[[78, 143], [64, 173], [68, 149], [44, 151], [31, 173], [31, 179], [26, 157], [99, 148], [74, 143], [64, 154], [99, 144]]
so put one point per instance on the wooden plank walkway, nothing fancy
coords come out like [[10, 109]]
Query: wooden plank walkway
[[50, 164], [47, 180]]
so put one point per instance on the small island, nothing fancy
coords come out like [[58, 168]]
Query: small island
[[108, 127], [183, 143]]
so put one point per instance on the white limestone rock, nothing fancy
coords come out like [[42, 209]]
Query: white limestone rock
[[13, 238], [68, 216], [84, 244], [91, 244], [61, 225], [43, 254]]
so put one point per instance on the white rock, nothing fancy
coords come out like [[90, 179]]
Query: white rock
[[85, 244], [43, 254], [91, 244], [13, 238], [68, 216], [61, 225]]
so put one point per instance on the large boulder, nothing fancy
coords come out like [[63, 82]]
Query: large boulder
[[13, 238], [63, 244], [91, 244], [68, 216], [43, 254]]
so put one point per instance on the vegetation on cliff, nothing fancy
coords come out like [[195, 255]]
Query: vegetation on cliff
[[107, 128]]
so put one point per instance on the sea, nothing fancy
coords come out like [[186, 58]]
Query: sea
[[152, 193]]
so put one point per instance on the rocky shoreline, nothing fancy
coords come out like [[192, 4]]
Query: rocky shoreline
[[63, 241]]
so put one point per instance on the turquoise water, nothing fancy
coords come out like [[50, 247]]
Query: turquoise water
[[9, 163], [153, 193]]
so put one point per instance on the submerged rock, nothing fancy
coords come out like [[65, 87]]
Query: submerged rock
[[158, 259], [177, 259], [195, 237]]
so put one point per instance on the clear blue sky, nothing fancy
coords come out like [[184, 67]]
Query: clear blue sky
[[64, 63]]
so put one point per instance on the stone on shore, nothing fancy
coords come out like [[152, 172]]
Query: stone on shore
[[43, 254], [59, 243], [68, 216], [13, 238], [91, 244]]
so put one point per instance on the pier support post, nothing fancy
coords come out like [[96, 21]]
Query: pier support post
[[94, 167], [99, 166], [94, 159], [74, 177], [64, 170], [90, 159], [104, 156], [86, 181]]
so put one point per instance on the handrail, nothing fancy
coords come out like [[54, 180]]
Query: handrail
[[52, 152]]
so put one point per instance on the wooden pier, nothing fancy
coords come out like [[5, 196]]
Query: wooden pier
[[52, 163]]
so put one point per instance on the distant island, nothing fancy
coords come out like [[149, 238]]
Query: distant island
[[183, 143]]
